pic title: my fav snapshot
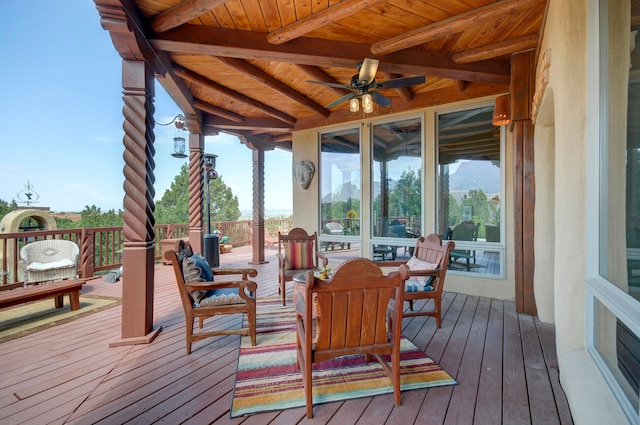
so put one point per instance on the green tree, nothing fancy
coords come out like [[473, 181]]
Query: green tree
[[224, 204], [92, 216], [173, 207], [6, 207], [405, 198]]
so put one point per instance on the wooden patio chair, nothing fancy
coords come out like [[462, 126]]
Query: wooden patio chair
[[428, 268], [202, 297], [351, 318], [49, 260], [298, 252]]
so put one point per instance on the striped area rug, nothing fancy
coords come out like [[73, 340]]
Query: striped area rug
[[268, 379]]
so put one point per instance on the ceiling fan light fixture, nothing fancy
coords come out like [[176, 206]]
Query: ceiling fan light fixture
[[354, 105], [367, 103]]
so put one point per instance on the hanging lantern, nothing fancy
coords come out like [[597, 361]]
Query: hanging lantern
[[502, 111], [178, 146]]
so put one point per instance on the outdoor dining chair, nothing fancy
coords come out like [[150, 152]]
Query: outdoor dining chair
[[350, 312], [202, 297], [297, 252]]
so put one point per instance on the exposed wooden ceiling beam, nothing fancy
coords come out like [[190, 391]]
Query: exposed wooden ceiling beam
[[182, 13], [491, 51], [460, 85], [338, 11], [452, 25], [238, 97], [317, 74], [215, 110], [200, 39], [261, 125], [270, 82]]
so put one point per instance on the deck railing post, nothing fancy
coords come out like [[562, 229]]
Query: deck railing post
[[87, 250]]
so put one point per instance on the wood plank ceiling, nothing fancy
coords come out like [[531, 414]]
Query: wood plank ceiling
[[243, 66]]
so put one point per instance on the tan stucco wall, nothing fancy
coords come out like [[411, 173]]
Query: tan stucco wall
[[544, 226], [561, 210], [565, 41], [306, 209]]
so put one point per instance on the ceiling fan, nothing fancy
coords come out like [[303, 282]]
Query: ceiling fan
[[364, 83]]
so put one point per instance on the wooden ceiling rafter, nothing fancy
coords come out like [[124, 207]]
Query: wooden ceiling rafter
[[317, 74], [215, 110], [455, 24], [201, 40], [491, 51], [182, 13], [270, 82], [405, 94], [238, 97], [324, 17], [258, 124]]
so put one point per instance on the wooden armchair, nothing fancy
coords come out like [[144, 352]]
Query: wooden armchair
[[49, 260], [298, 252], [351, 318], [203, 299], [428, 268]]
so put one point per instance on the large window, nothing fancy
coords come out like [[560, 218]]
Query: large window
[[340, 192], [469, 195], [614, 284], [396, 192]]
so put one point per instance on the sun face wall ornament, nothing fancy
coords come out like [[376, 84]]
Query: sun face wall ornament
[[304, 171]]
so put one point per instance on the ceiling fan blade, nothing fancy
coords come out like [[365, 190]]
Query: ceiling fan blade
[[342, 86], [401, 82], [340, 100], [368, 70], [380, 99]]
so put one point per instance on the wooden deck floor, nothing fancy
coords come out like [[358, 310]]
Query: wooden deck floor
[[505, 364]]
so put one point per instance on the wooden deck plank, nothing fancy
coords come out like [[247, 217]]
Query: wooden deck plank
[[464, 396], [515, 405], [540, 394], [77, 378], [546, 332], [488, 408], [436, 404]]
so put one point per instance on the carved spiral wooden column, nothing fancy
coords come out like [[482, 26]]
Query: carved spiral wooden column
[[257, 224], [139, 252], [196, 187]]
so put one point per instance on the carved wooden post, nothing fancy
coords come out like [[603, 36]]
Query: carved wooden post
[[196, 186], [87, 252], [138, 262], [257, 224]]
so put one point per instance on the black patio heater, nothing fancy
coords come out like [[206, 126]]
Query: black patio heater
[[211, 242]]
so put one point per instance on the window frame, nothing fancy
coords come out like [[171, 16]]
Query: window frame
[[500, 247], [599, 289]]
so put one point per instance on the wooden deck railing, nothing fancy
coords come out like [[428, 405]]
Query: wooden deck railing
[[101, 247]]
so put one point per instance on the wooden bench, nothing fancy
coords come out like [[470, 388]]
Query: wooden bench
[[55, 290]]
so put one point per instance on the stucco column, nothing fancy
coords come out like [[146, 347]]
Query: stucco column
[[139, 252], [196, 187]]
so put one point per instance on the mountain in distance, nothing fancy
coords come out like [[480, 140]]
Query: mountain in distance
[[476, 175]]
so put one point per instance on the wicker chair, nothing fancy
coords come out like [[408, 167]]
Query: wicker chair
[[49, 260]]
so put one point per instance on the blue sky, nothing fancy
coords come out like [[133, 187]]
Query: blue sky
[[61, 116]]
